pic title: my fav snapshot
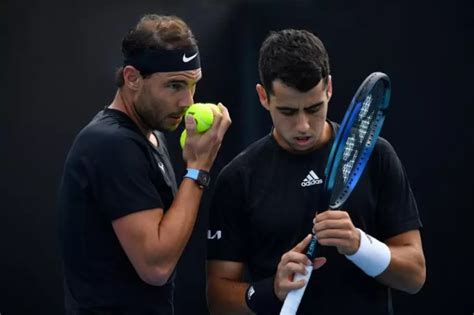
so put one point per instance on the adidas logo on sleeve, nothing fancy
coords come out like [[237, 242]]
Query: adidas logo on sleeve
[[311, 179]]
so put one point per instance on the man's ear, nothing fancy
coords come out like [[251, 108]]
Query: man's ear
[[132, 78], [262, 96], [329, 88]]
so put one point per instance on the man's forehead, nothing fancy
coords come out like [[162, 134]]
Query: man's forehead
[[285, 97], [188, 75], [281, 86], [288, 96]]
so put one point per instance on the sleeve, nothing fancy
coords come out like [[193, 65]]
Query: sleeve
[[228, 235], [123, 178], [397, 211]]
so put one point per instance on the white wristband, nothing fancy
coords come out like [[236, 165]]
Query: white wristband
[[373, 256]]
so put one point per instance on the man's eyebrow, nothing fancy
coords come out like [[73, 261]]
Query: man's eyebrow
[[182, 81], [176, 81], [306, 108], [314, 105]]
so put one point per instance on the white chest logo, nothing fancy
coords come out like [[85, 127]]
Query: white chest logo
[[311, 179]]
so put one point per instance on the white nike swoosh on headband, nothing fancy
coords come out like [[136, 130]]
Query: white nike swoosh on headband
[[188, 59]]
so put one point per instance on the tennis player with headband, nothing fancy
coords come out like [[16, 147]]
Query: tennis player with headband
[[265, 202], [123, 221]]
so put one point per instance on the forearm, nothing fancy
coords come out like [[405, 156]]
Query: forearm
[[406, 271], [176, 226], [227, 297], [398, 262]]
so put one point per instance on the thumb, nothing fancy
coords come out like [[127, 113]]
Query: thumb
[[190, 124]]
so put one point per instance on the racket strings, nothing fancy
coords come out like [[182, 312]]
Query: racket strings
[[359, 143]]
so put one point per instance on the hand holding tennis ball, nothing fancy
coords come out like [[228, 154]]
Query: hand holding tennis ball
[[204, 117]]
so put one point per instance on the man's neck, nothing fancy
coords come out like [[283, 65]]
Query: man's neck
[[123, 102]]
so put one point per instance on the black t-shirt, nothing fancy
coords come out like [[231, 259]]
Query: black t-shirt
[[264, 204], [111, 171]]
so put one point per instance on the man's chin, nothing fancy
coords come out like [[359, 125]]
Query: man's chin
[[164, 127], [298, 148], [167, 128]]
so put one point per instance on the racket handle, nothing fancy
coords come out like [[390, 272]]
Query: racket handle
[[293, 299], [311, 249]]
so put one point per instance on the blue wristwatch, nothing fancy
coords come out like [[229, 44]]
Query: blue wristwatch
[[202, 178]]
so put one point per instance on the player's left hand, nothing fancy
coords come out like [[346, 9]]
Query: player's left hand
[[335, 228], [293, 261]]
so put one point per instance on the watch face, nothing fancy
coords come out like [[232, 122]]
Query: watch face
[[204, 178]]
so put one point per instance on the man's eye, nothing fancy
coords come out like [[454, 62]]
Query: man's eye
[[287, 112], [313, 110], [176, 86]]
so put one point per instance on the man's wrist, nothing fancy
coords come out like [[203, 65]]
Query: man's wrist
[[201, 177], [198, 166], [261, 298], [373, 256]]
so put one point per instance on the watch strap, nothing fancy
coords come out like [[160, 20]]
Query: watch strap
[[192, 173], [201, 177]]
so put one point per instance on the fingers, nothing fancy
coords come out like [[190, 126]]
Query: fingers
[[319, 262], [222, 120], [190, 125], [288, 276], [293, 264], [298, 281], [332, 220], [295, 267], [294, 260], [335, 228], [220, 124], [301, 246], [334, 233], [331, 214], [201, 150], [340, 243]]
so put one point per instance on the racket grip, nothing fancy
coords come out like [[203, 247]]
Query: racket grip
[[293, 299]]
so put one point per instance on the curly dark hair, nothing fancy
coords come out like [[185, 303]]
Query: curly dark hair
[[155, 32], [297, 57]]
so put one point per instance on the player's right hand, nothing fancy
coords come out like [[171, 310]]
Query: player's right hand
[[291, 262], [201, 150]]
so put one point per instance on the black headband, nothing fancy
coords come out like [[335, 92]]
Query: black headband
[[152, 61]]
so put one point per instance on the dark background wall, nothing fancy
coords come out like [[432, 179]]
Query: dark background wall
[[58, 61]]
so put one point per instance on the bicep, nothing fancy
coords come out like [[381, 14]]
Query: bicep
[[228, 221], [407, 251], [410, 238], [407, 246], [397, 211], [138, 235], [124, 178]]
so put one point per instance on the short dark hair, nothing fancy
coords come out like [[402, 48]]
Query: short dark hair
[[155, 32], [297, 57]]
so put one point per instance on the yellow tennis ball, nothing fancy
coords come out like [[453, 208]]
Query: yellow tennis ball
[[203, 116], [182, 139]]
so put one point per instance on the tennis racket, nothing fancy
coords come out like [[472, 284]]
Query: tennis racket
[[352, 147]]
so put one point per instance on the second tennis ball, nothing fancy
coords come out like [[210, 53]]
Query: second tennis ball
[[204, 117]]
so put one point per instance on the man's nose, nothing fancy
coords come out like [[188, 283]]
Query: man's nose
[[187, 99], [302, 123]]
